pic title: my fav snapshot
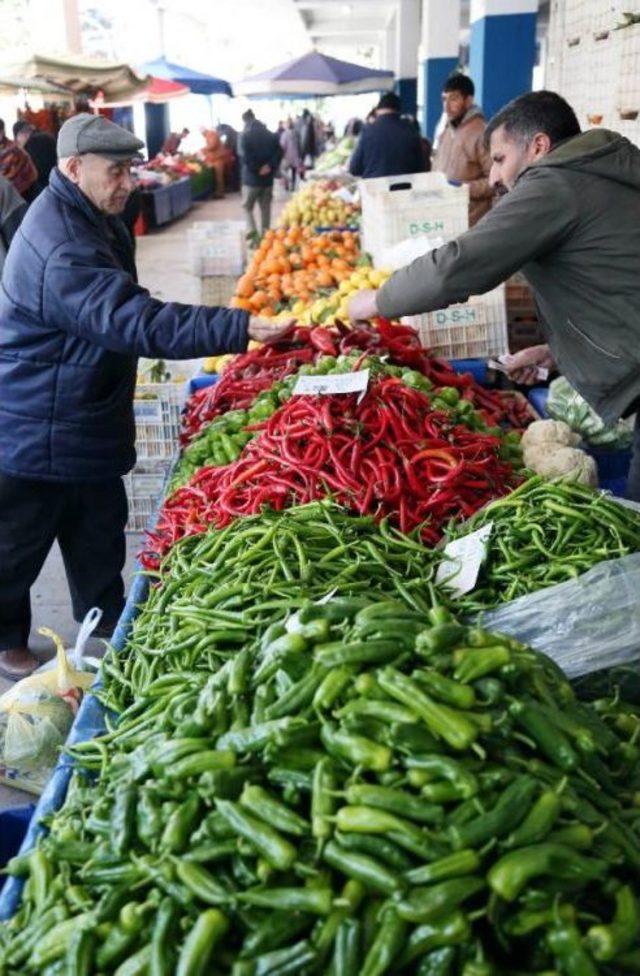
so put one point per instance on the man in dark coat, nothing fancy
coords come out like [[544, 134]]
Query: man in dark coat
[[389, 146], [260, 155], [73, 321]]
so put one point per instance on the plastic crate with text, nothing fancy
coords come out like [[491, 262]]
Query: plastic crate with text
[[157, 408], [400, 208], [217, 247], [144, 487], [475, 329]]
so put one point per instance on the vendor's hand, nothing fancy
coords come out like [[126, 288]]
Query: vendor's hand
[[522, 366], [264, 170], [363, 305], [267, 331]]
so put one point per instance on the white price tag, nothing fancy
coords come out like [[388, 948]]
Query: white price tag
[[335, 383], [463, 559]]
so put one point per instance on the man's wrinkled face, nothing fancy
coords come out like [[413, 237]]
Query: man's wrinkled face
[[511, 155], [106, 182], [455, 104]]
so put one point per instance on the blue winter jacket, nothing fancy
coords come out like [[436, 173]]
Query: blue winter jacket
[[73, 321]]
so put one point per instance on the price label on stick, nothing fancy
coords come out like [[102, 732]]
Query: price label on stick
[[334, 383], [462, 561]]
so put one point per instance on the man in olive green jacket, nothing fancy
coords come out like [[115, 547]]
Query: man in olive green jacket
[[569, 218]]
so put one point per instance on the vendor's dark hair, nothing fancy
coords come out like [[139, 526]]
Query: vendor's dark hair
[[458, 82], [539, 111], [248, 115]]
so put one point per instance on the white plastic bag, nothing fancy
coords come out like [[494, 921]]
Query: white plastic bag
[[586, 624]]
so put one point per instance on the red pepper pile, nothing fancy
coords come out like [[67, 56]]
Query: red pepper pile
[[391, 455], [255, 371]]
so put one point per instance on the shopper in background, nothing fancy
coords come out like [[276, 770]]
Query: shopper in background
[[308, 138], [5, 142], [73, 321], [569, 218], [424, 142], [461, 154], [12, 210], [17, 166], [41, 147], [291, 159], [389, 146], [217, 157], [260, 154], [171, 144]]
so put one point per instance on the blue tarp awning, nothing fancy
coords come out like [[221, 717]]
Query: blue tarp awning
[[196, 81], [316, 74]]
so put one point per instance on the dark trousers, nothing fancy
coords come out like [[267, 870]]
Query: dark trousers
[[88, 520]]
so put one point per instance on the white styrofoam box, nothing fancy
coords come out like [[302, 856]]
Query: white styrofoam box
[[475, 329], [576, 18], [397, 208], [157, 408], [601, 59], [144, 487], [217, 247]]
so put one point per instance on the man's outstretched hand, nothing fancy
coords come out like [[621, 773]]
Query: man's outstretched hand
[[363, 305], [265, 330], [522, 365]]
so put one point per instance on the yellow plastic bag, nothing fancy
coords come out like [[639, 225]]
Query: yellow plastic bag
[[37, 712]]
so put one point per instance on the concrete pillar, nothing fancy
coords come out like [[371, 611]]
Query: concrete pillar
[[439, 56], [502, 50], [389, 45], [407, 41]]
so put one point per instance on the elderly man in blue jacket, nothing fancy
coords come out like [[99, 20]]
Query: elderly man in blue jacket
[[73, 321]]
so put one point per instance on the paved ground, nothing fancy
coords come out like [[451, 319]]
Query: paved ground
[[162, 259]]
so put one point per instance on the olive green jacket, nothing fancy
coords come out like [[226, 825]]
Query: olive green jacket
[[572, 225]]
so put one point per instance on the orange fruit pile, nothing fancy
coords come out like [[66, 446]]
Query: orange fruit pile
[[295, 264]]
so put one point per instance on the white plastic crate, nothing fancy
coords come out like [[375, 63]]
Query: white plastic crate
[[217, 289], [399, 208], [217, 247], [476, 329], [156, 408], [628, 94], [144, 488]]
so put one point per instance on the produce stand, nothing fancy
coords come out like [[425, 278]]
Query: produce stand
[[316, 749], [166, 203]]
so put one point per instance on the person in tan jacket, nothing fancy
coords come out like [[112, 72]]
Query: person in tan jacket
[[461, 154]]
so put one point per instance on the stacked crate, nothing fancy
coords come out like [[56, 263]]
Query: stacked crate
[[157, 408], [217, 255]]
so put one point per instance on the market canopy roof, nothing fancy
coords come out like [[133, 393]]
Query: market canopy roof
[[316, 74], [158, 92], [83, 76], [9, 86], [196, 81]]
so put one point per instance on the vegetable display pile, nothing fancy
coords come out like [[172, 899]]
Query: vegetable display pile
[[224, 438], [545, 533], [365, 790], [246, 376], [317, 205], [390, 455], [225, 588]]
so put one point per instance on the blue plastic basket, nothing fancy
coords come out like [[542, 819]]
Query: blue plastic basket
[[538, 397], [477, 367], [202, 380]]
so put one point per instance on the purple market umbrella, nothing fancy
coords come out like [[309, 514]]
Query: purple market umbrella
[[315, 74]]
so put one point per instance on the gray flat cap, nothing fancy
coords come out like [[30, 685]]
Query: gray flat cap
[[86, 133]]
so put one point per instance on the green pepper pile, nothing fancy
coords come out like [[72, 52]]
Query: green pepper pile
[[222, 441], [221, 590], [546, 532], [364, 788]]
